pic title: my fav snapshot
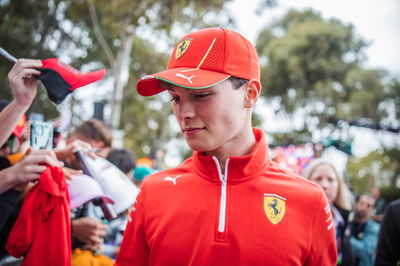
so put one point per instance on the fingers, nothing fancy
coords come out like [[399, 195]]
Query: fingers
[[24, 68], [43, 157], [22, 80], [68, 172], [31, 167], [89, 231], [95, 246], [75, 145]]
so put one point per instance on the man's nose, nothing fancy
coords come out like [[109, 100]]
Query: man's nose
[[323, 183], [186, 110]]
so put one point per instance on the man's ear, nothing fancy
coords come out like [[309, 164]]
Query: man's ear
[[253, 88]]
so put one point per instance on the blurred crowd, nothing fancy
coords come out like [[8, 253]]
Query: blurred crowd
[[29, 149], [356, 218]]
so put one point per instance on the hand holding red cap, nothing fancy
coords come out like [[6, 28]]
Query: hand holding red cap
[[60, 79]]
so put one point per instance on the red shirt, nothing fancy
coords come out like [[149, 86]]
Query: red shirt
[[255, 214], [42, 232]]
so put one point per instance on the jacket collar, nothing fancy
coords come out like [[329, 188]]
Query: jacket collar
[[239, 168]]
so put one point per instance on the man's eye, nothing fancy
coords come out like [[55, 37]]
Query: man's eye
[[202, 95], [174, 98]]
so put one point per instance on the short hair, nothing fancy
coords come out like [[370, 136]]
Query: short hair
[[122, 158], [237, 82], [365, 194], [96, 130]]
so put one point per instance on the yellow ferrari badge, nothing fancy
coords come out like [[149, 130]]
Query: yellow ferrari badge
[[182, 47], [274, 207]]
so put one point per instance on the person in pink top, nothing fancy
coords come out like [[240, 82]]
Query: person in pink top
[[228, 204]]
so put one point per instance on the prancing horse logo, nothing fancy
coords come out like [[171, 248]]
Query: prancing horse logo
[[182, 47], [274, 207]]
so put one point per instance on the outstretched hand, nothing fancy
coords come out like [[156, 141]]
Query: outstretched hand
[[28, 169], [67, 153]]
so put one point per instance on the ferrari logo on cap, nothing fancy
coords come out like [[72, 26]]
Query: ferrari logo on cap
[[182, 47], [274, 207]]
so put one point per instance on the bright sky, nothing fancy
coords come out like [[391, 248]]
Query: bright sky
[[376, 21]]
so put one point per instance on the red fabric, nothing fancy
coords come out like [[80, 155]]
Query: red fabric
[[176, 223], [42, 232], [203, 59], [72, 76]]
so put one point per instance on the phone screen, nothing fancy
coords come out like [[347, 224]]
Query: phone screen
[[41, 136]]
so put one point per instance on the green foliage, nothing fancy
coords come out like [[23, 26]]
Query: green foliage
[[313, 66], [64, 28], [380, 167], [393, 94], [145, 121], [27, 30], [364, 92]]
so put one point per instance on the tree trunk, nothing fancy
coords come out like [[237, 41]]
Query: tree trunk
[[120, 76]]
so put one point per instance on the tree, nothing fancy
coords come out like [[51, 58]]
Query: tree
[[117, 24], [111, 34], [116, 30], [307, 60], [30, 29], [314, 68], [378, 168]]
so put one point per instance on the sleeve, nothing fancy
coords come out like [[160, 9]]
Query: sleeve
[[134, 249], [388, 243], [322, 243], [366, 246]]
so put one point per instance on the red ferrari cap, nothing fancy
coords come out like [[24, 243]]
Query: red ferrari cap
[[203, 59], [70, 75], [61, 79]]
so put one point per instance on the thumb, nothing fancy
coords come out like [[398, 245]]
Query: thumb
[[28, 151]]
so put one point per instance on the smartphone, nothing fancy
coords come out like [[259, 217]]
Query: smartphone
[[41, 135]]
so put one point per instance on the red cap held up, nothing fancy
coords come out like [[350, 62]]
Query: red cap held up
[[60, 79]]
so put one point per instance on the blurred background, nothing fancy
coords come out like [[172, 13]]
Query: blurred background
[[330, 74]]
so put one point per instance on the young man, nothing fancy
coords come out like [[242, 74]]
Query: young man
[[364, 231], [229, 204]]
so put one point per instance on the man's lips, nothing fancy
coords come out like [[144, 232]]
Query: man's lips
[[190, 131]]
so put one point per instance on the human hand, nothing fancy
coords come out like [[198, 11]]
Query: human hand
[[89, 231], [68, 172], [30, 168], [67, 153], [23, 81]]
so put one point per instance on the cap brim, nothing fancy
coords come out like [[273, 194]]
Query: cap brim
[[88, 78], [83, 188], [190, 78]]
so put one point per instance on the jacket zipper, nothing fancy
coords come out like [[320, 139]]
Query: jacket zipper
[[222, 205]]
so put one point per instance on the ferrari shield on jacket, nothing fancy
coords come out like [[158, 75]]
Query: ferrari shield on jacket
[[254, 214]]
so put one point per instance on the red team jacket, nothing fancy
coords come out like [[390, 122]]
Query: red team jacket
[[255, 214], [42, 232]]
